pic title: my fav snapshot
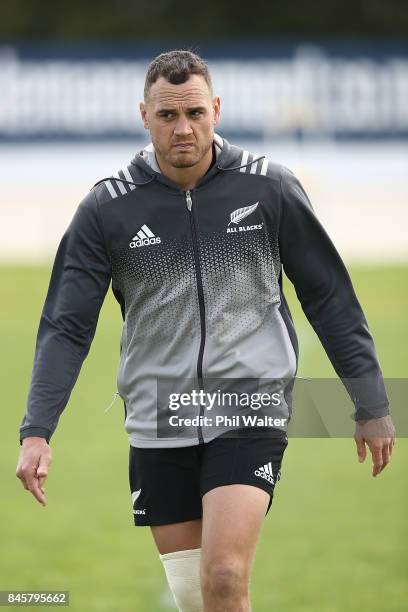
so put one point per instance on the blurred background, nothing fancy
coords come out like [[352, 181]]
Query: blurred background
[[321, 87]]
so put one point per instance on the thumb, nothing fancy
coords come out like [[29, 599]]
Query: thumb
[[361, 449]]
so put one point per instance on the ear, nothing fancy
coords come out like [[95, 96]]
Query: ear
[[216, 109], [143, 113]]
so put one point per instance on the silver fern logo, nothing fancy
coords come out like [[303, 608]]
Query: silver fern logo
[[240, 213], [135, 495]]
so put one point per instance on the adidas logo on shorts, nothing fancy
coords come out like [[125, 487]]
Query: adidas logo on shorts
[[265, 472]]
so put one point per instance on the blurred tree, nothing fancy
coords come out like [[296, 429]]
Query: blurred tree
[[135, 20]]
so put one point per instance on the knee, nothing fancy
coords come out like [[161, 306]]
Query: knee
[[224, 578]]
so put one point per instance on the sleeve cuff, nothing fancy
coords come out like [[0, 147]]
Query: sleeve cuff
[[374, 412], [38, 432]]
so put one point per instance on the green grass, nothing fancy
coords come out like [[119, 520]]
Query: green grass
[[334, 539]]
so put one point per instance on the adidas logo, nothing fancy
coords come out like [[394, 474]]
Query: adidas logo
[[265, 472], [144, 237]]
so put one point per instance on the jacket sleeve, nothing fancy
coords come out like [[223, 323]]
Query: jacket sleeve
[[79, 281], [324, 289]]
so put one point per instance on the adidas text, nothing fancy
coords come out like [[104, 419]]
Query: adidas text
[[144, 242]]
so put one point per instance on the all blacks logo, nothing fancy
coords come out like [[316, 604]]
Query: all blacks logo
[[139, 242]]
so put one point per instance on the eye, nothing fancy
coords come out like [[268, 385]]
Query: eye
[[166, 116], [196, 113]]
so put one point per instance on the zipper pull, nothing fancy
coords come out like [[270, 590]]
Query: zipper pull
[[189, 200]]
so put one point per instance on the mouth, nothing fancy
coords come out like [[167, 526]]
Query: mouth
[[183, 145]]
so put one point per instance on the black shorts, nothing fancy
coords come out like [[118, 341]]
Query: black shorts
[[167, 484]]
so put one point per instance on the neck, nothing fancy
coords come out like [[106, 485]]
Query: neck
[[186, 178]]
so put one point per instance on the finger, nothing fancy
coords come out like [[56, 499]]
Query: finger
[[385, 456], [26, 475], [361, 449], [393, 441], [376, 452], [21, 478], [34, 488], [23, 482], [41, 481], [38, 493], [42, 470]]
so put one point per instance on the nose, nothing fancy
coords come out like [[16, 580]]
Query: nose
[[182, 127]]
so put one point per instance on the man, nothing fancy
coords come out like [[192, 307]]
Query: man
[[193, 234]]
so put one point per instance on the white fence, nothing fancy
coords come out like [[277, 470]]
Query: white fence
[[359, 191]]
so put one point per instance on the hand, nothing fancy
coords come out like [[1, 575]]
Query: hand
[[32, 467], [379, 434]]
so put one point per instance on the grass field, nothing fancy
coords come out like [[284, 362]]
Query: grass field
[[334, 540]]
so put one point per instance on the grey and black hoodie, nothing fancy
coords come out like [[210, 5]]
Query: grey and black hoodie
[[198, 300]]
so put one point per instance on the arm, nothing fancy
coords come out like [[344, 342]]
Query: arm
[[79, 282], [327, 297]]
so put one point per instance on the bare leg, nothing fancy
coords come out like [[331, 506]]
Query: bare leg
[[177, 536], [179, 545], [232, 519]]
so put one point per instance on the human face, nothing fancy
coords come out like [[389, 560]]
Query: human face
[[181, 120]]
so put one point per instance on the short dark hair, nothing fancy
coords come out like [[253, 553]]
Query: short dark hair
[[176, 66]]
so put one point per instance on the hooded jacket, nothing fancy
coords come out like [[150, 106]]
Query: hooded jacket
[[198, 277]]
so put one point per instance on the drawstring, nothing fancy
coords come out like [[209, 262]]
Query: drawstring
[[243, 166], [112, 402], [114, 178]]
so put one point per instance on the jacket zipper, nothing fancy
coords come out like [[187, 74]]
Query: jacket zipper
[[201, 303]]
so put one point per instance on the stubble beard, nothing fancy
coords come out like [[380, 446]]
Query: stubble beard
[[185, 160]]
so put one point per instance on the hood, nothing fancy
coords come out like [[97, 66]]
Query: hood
[[227, 156], [147, 168], [148, 154]]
